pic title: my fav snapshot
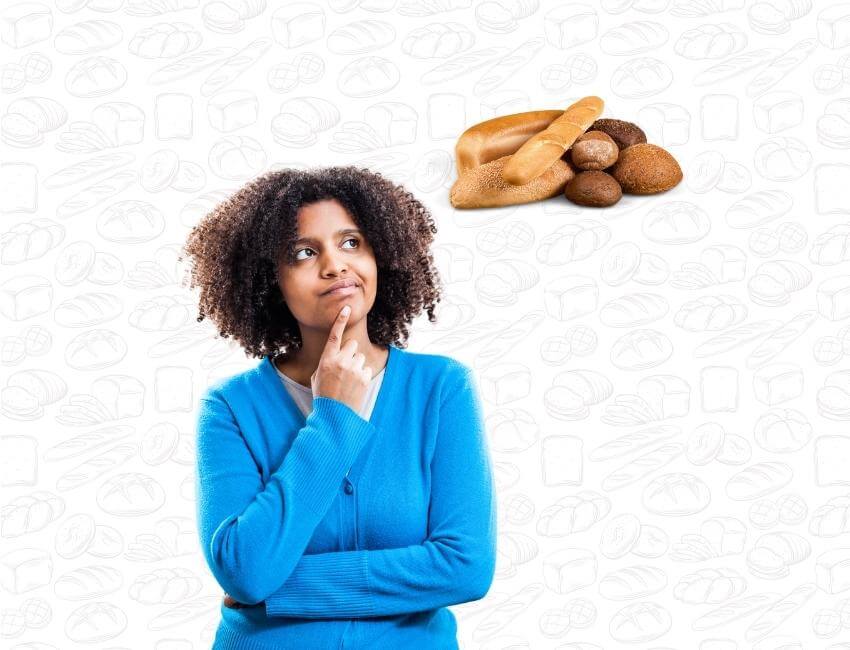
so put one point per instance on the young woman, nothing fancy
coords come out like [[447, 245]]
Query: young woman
[[344, 486]]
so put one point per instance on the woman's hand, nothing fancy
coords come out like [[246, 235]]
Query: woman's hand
[[231, 603], [341, 374]]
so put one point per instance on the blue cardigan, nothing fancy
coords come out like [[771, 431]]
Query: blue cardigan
[[337, 531]]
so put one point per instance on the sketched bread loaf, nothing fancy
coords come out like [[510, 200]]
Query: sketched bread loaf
[[573, 513], [640, 622], [758, 480]]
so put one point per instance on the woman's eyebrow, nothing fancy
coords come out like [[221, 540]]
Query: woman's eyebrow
[[344, 231]]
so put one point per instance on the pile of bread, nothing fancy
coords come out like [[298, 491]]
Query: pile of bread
[[536, 155]]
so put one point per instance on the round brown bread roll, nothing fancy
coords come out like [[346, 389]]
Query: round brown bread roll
[[646, 169], [625, 134], [593, 188], [594, 150]]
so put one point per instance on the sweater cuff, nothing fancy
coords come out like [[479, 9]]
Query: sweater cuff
[[335, 433], [309, 590]]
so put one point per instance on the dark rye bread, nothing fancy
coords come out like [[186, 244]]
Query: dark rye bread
[[625, 134], [594, 189]]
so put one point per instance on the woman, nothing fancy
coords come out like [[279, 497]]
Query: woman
[[344, 486]]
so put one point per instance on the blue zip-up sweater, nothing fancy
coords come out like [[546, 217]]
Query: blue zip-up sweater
[[341, 532]]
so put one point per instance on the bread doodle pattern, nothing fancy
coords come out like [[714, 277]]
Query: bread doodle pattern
[[643, 235]]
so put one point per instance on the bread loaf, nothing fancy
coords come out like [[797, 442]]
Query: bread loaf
[[540, 151], [499, 136], [483, 187], [480, 155]]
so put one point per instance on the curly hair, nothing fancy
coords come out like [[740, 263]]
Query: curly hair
[[238, 246]]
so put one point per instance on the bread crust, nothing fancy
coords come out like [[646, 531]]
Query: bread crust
[[538, 153], [483, 187], [499, 136], [482, 151]]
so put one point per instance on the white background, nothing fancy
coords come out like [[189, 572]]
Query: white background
[[751, 240]]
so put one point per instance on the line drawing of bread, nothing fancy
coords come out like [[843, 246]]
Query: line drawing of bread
[[832, 246], [504, 341], [642, 466], [779, 68], [233, 66], [758, 208], [643, 621], [94, 195], [86, 442], [507, 610], [832, 518], [93, 622], [361, 37], [734, 610], [641, 77], [86, 169], [96, 466], [735, 65], [573, 513], [703, 8], [659, 397], [709, 586], [634, 38], [641, 349], [184, 612], [635, 441], [461, 64], [758, 480], [633, 310], [676, 494], [780, 611], [772, 554], [710, 313], [781, 338], [507, 66], [189, 65], [461, 337], [30, 513], [632, 582], [92, 581], [736, 337]]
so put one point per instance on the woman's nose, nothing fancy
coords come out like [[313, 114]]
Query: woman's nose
[[331, 261]]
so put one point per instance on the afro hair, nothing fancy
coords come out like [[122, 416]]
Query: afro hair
[[236, 250]]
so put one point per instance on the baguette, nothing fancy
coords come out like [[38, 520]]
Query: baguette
[[780, 611], [541, 150]]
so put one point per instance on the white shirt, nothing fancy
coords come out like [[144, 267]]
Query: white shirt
[[303, 395]]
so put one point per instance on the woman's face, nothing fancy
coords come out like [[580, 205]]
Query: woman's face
[[329, 247]]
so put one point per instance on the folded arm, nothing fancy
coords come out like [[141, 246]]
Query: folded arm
[[456, 562], [252, 535]]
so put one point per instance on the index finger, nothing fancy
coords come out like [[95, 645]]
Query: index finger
[[335, 335]]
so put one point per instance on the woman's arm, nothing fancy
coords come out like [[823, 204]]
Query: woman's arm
[[252, 536], [455, 564]]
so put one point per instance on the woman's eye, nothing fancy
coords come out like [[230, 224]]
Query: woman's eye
[[354, 239]]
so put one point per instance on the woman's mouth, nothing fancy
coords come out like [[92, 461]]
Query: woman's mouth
[[342, 291]]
